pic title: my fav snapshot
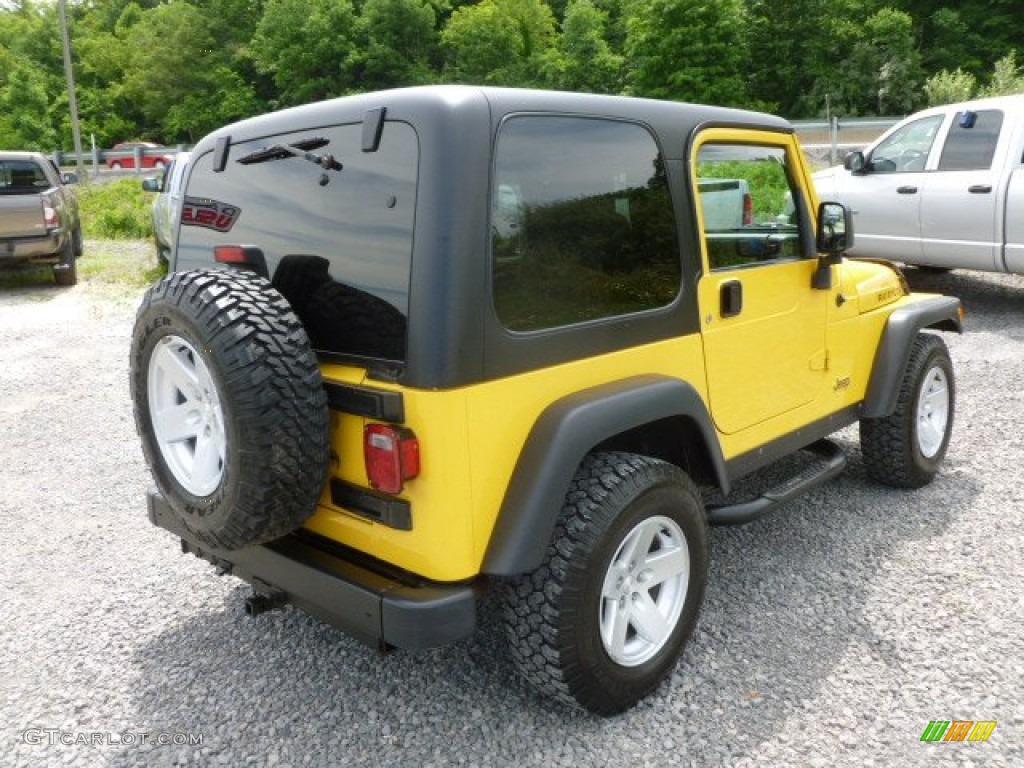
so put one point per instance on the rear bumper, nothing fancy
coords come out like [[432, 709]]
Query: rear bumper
[[372, 607], [45, 249]]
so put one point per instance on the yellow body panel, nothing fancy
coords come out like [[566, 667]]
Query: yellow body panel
[[792, 356], [470, 441]]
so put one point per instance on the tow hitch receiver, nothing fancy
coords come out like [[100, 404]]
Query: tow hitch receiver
[[264, 598]]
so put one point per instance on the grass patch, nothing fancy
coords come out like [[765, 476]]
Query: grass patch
[[109, 264], [116, 210], [105, 264]]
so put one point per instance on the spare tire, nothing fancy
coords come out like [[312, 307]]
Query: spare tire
[[230, 406]]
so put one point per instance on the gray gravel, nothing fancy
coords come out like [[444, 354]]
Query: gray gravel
[[833, 631]]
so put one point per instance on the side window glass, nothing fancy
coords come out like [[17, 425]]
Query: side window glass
[[907, 149], [746, 199], [972, 140], [582, 225]]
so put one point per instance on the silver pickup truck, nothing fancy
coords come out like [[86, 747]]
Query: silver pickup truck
[[943, 189], [39, 222]]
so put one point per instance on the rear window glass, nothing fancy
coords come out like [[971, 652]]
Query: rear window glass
[[337, 243], [18, 177]]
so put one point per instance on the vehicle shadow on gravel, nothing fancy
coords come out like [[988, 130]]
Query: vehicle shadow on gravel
[[990, 300], [792, 594], [30, 286], [787, 597]]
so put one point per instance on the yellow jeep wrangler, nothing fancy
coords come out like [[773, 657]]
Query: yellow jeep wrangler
[[424, 344]]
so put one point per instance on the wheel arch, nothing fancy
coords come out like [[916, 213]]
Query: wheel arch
[[940, 313], [655, 415]]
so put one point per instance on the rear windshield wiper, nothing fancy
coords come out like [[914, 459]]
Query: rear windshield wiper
[[298, 149]]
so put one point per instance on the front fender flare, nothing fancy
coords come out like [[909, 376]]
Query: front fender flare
[[940, 312], [566, 431]]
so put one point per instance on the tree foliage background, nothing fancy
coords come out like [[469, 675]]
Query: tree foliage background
[[171, 71]]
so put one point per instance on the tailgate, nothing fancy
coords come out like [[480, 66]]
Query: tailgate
[[21, 216]]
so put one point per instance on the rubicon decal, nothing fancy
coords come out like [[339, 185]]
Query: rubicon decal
[[212, 214], [958, 730]]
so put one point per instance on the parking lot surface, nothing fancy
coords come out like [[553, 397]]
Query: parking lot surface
[[834, 630]]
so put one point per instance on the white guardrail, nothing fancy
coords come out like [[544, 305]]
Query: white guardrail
[[96, 159], [823, 140], [828, 141]]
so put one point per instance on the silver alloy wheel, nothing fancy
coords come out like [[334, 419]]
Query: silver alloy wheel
[[932, 412], [185, 410], [644, 591]]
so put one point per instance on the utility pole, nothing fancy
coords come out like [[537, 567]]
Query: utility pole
[[76, 133]]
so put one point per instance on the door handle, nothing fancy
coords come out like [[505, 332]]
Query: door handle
[[979, 189], [730, 295], [906, 190]]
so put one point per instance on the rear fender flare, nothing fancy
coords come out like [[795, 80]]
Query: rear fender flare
[[566, 431]]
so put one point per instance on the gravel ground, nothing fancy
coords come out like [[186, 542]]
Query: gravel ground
[[833, 631]]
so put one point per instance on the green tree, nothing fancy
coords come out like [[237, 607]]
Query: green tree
[[587, 62], [307, 47], [25, 108], [1007, 78], [501, 42], [176, 77], [688, 50], [397, 43], [949, 44], [947, 87], [32, 80], [882, 74], [792, 46]]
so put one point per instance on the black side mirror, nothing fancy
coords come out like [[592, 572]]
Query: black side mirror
[[855, 163], [835, 230], [69, 178], [153, 184]]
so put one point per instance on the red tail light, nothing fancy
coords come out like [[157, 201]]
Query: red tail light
[[392, 456], [243, 256], [235, 254], [748, 210], [50, 217]]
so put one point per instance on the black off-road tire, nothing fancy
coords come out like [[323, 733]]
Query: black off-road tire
[[553, 616], [892, 446], [257, 356], [66, 272]]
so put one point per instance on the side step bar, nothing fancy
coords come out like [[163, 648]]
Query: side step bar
[[832, 462]]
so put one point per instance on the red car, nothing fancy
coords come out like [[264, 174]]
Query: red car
[[127, 160]]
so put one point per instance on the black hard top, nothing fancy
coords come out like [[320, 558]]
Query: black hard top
[[669, 119], [454, 338]]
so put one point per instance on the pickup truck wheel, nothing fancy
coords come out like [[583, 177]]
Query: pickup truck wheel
[[230, 406], [78, 246], [66, 272], [906, 448], [602, 622]]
